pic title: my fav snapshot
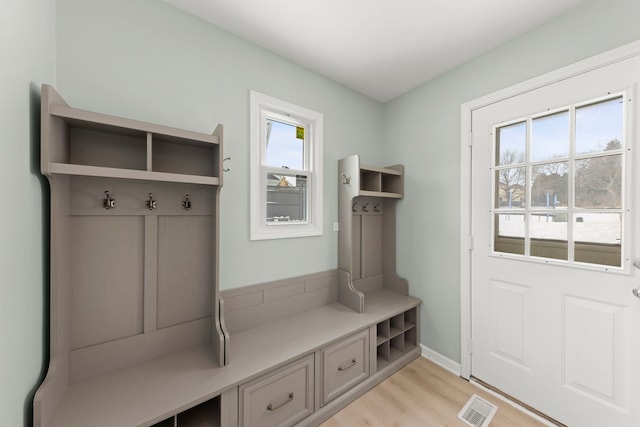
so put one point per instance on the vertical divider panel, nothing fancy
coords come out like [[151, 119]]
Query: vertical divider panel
[[371, 246], [149, 151], [356, 260], [150, 273], [373, 349]]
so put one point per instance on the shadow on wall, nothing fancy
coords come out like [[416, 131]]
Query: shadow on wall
[[34, 165]]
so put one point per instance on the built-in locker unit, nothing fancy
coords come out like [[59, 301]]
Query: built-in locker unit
[[140, 334], [367, 198], [134, 265]]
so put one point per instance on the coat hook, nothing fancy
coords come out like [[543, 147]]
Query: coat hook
[[346, 180], [365, 207], [108, 202], [186, 203], [151, 204], [376, 207], [224, 160], [354, 207]]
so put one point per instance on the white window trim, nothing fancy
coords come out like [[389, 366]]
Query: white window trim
[[260, 105]]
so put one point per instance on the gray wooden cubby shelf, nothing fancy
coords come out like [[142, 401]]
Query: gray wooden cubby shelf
[[140, 333]]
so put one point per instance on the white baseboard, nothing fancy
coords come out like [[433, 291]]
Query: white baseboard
[[439, 359]]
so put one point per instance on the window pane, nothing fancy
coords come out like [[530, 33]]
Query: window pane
[[284, 147], [510, 188], [548, 231], [598, 227], [599, 126], [286, 197], [509, 233], [550, 137], [550, 183], [511, 144], [599, 182], [598, 238]]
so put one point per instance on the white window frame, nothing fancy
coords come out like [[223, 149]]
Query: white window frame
[[263, 107]]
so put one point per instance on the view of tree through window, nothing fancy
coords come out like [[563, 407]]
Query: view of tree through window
[[558, 190]]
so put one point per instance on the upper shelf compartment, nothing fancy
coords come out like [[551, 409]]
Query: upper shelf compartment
[[370, 181], [85, 143], [381, 182]]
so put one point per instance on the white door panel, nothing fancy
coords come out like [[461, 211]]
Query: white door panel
[[562, 338]]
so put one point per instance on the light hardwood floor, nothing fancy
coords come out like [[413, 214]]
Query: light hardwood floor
[[422, 394]]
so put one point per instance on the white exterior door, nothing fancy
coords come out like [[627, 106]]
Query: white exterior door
[[554, 219]]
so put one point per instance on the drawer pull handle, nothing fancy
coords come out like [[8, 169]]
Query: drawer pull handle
[[270, 406], [347, 367]]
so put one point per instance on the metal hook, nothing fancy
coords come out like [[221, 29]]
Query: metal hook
[[224, 160], [151, 204], [376, 207], [346, 180], [186, 203], [354, 207], [365, 208], [108, 202]]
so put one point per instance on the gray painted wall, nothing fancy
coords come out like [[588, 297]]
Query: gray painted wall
[[422, 130], [149, 61], [27, 46]]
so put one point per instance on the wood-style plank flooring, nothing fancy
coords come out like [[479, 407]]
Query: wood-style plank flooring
[[422, 394]]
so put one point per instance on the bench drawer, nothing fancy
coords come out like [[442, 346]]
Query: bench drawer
[[344, 364], [281, 398]]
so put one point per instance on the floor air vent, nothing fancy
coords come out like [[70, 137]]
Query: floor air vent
[[477, 412]]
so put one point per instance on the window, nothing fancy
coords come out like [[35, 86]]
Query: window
[[558, 184], [286, 169]]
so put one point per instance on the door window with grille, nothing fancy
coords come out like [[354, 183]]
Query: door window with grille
[[559, 184]]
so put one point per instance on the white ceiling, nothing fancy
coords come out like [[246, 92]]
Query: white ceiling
[[381, 48]]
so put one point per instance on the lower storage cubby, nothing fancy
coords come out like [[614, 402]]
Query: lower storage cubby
[[396, 337], [206, 414]]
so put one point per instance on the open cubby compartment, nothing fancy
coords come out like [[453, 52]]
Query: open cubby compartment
[[383, 352], [397, 325], [397, 343], [392, 181], [182, 156], [90, 144], [388, 182], [410, 318], [370, 180], [396, 337], [206, 414], [410, 339], [382, 330], [396, 348], [80, 142]]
